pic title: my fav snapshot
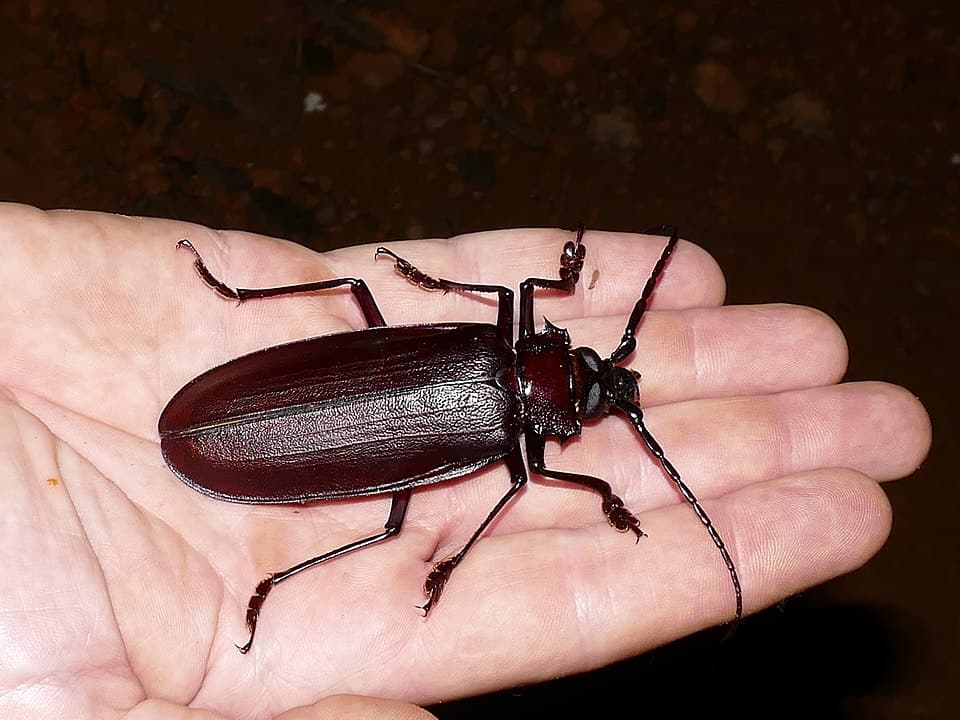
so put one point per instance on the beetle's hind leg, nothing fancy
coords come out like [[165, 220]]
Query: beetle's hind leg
[[438, 577], [361, 292], [618, 515], [394, 522]]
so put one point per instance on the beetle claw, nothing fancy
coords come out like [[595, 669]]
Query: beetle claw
[[412, 273], [184, 243], [253, 610], [433, 586], [245, 648], [621, 518]]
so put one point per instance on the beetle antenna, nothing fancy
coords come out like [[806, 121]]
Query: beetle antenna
[[636, 417], [628, 342]]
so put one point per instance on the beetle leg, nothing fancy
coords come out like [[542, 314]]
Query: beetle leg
[[361, 292], [618, 516], [394, 522], [438, 577], [421, 279], [628, 343], [571, 263]]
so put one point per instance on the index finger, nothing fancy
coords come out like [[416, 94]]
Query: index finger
[[615, 269]]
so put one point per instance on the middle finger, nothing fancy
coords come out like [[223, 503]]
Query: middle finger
[[724, 351]]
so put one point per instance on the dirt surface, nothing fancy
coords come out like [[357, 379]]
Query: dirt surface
[[813, 149]]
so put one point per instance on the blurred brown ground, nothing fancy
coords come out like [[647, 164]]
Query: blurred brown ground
[[813, 149]]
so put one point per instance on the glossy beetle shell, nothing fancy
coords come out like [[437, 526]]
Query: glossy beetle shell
[[345, 415]]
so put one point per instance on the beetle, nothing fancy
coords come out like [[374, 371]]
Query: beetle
[[387, 409]]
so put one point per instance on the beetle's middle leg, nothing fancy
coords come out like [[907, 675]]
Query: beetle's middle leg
[[421, 279], [618, 515], [361, 292], [394, 522], [441, 571]]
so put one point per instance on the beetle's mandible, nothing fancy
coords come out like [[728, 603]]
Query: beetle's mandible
[[317, 419]]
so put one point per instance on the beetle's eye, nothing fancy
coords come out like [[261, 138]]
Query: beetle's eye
[[593, 401], [590, 358]]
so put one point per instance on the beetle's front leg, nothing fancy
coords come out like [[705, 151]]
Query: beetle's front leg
[[421, 279], [618, 515], [571, 263]]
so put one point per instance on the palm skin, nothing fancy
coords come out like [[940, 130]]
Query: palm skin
[[124, 590]]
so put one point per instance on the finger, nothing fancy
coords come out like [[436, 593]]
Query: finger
[[154, 708], [500, 258], [730, 350], [357, 707], [718, 446], [56, 614], [616, 268], [82, 309], [582, 601], [698, 282], [878, 429]]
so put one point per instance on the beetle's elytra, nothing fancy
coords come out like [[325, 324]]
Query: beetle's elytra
[[387, 409]]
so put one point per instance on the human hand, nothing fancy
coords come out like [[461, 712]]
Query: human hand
[[123, 588]]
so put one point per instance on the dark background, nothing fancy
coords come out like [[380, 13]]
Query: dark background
[[813, 149]]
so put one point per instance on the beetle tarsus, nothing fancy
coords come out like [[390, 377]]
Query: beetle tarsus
[[433, 586], [621, 518], [203, 271], [571, 260], [414, 274], [253, 609], [245, 648]]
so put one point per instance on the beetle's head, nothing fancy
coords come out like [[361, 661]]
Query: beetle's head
[[603, 384]]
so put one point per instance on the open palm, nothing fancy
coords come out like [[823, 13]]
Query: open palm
[[122, 586]]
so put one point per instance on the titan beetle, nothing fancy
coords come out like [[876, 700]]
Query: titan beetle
[[387, 409]]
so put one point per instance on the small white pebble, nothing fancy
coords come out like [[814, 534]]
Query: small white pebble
[[955, 158], [314, 102]]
